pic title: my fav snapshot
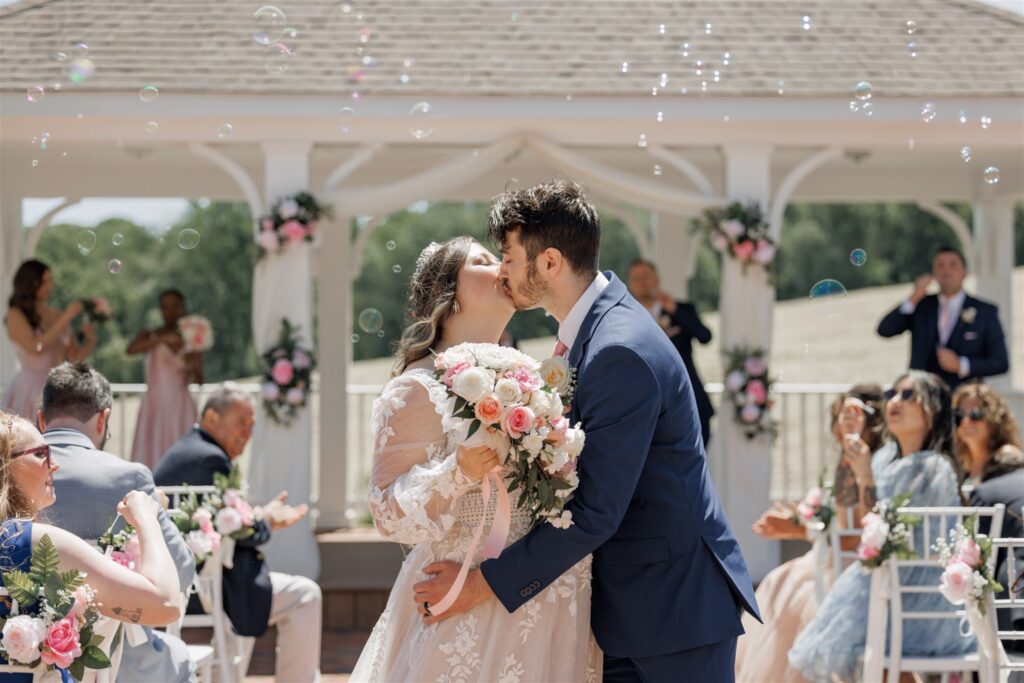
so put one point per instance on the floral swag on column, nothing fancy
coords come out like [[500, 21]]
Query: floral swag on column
[[287, 375], [740, 231], [748, 387], [291, 220]]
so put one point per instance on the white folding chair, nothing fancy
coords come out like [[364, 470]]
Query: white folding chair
[[999, 668], [833, 554], [175, 494], [888, 592]]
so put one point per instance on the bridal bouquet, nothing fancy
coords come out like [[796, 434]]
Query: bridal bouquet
[[886, 533], [197, 332], [967, 573], [59, 631], [501, 397], [97, 310], [121, 546]]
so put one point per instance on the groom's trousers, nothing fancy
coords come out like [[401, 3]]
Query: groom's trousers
[[715, 663]]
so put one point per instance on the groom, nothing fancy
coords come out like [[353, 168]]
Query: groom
[[669, 582]]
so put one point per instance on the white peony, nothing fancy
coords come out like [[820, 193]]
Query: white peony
[[875, 531], [289, 208], [227, 521], [545, 404], [23, 636], [555, 459], [735, 380], [200, 543], [957, 582], [533, 442], [562, 521], [473, 384], [574, 439], [556, 373], [508, 391]]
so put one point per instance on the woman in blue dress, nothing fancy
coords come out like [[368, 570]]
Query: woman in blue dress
[[918, 461], [147, 596]]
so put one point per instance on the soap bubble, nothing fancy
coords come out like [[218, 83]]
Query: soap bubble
[[991, 175], [390, 246], [396, 268], [278, 58], [114, 266], [35, 93], [858, 257], [152, 127], [225, 131], [965, 154], [268, 24], [86, 241], [862, 91], [149, 94], [421, 115], [829, 296], [117, 240], [370, 320], [188, 239]]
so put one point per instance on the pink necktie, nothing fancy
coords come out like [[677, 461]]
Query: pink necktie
[[560, 348], [943, 320]]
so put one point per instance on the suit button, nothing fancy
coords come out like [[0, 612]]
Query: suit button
[[535, 585], [524, 593]]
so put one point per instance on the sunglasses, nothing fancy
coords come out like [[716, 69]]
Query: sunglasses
[[975, 415], [42, 452], [904, 395]]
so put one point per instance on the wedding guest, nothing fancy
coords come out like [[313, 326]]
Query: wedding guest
[[918, 461], [89, 483], [41, 335], [953, 334], [786, 596], [988, 442], [167, 409], [681, 323], [254, 596]]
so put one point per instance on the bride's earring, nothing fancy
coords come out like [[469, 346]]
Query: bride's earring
[[456, 309]]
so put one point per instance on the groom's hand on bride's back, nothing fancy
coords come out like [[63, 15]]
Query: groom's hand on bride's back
[[433, 590]]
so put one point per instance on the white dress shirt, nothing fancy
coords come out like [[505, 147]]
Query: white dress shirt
[[956, 304], [570, 327]]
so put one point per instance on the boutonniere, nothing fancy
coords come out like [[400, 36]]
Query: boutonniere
[[559, 376], [664, 321], [968, 315]]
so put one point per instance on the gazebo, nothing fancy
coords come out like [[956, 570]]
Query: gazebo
[[740, 100]]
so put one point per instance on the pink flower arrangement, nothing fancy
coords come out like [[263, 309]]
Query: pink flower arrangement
[[290, 221], [294, 231], [197, 332], [283, 371], [62, 646], [742, 232], [287, 375], [743, 250], [528, 381], [757, 391], [967, 576], [748, 387]]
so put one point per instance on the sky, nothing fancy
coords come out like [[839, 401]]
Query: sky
[[161, 214]]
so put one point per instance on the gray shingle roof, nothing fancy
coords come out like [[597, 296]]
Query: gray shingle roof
[[525, 47]]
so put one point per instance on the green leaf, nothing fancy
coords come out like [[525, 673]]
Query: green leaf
[[72, 579], [21, 587], [95, 658], [473, 427], [45, 560], [77, 669], [460, 403]]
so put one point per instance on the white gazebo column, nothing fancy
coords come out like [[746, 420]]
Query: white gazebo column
[[745, 306], [10, 256], [333, 332], [993, 267], [675, 253], [283, 288]]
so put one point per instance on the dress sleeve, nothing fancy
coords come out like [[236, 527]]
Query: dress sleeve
[[415, 482]]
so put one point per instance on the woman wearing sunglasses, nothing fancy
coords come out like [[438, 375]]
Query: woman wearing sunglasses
[[147, 596], [916, 460], [988, 444]]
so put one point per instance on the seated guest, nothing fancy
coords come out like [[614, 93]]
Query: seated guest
[[89, 483], [786, 596], [918, 461], [988, 442], [254, 597], [953, 334]]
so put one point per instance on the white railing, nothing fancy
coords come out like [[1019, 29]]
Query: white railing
[[804, 448]]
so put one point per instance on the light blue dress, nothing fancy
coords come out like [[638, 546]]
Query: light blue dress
[[833, 643]]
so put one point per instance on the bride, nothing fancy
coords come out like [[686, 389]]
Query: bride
[[425, 493]]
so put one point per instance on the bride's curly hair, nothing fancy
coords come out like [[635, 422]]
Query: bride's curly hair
[[13, 505], [431, 299]]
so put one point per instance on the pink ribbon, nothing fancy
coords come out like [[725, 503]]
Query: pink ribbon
[[495, 542]]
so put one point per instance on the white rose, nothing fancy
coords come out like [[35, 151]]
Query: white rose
[[957, 582], [289, 208], [496, 357], [541, 403], [533, 442], [733, 228], [295, 396], [735, 380], [199, 543], [556, 373], [875, 532], [574, 439], [508, 391], [271, 391], [556, 459], [473, 384], [227, 521], [23, 636], [562, 521]]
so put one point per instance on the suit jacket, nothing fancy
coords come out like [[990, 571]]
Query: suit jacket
[[981, 341], [89, 485], [683, 327], [1009, 490], [667, 574], [193, 459]]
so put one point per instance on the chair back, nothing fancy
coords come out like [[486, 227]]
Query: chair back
[[176, 494], [841, 559], [999, 668]]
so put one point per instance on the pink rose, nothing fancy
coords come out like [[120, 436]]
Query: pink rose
[[132, 549], [757, 391], [765, 252], [755, 366], [528, 381], [294, 231], [283, 372], [201, 516], [488, 410], [451, 372], [750, 414], [867, 552], [814, 496], [231, 497], [83, 596], [970, 553], [720, 242], [805, 511], [301, 360], [518, 421], [743, 250], [123, 559], [61, 647], [268, 241], [559, 428], [295, 396], [957, 582], [246, 512]]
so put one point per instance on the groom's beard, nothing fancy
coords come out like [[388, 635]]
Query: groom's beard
[[528, 295]]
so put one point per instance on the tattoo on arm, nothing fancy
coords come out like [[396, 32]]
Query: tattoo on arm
[[845, 486], [132, 615], [870, 496]]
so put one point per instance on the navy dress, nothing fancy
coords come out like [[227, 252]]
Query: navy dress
[[16, 553]]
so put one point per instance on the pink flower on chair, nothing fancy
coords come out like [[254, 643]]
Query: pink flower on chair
[[62, 647], [970, 553], [743, 250], [294, 231]]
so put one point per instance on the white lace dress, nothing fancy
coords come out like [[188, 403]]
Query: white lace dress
[[419, 497]]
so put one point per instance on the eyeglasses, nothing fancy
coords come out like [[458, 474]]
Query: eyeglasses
[[905, 394], [974, 415], [1018, 585], [42, 452]]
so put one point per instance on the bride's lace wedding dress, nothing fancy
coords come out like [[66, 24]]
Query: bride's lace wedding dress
[[419, 497]]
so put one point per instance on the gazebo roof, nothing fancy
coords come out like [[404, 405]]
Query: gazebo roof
[[527, 48]]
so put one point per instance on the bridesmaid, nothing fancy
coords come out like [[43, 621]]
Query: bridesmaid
[[167, 411], [41, 335]]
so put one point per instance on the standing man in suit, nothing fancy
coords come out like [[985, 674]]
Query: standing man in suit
[[254, 596], [681, 323], [89, 484], [953, 334]]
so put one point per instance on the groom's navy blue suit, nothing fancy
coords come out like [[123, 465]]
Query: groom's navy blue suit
[[669, 580]]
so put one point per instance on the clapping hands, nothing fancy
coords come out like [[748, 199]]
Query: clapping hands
[[279, 515]]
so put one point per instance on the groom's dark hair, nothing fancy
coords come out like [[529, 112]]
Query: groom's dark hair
[[555, 214]]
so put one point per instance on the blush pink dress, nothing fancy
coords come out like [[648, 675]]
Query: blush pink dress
[[167, 411], [26, 389]]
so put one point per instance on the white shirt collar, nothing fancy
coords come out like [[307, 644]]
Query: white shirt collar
[[956, 301], [570, 327]]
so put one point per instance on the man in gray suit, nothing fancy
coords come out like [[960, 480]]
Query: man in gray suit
[[89, 484]]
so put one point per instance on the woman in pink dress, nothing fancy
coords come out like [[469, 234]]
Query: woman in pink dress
[[167, 411], [41, 335]]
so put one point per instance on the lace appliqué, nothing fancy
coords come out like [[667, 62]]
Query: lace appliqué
[[513, 671], [463, 659]]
